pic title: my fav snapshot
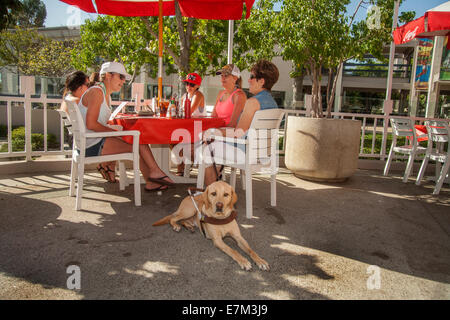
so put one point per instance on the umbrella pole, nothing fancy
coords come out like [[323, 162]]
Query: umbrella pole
[[160, 55], [230, 40]]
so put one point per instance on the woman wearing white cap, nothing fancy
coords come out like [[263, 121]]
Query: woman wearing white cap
[[95, 107], [230, 102]]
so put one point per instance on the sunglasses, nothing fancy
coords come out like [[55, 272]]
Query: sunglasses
[[189, 84], [121, 76], [252, 76]]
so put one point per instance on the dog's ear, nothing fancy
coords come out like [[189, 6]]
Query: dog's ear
[[234, 197], [205, 199]]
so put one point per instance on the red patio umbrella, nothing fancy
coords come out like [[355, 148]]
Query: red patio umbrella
[[200, 9], [435, 22]]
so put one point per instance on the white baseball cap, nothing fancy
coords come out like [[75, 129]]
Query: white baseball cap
[[115, 67], [229, 69]]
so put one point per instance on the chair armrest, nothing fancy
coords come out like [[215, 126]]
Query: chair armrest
[[422, 136], [229, 139], [117, 127], [134, 133]]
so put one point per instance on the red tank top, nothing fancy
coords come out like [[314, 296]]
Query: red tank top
[[224, 109]]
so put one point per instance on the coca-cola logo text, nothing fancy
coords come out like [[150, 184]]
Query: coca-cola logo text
[[410, 35]]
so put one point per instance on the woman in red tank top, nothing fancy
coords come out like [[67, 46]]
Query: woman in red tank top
[[230, 101]]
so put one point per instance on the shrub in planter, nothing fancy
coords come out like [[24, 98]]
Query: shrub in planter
[[37, 141]]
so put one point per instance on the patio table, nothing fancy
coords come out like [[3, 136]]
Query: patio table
[[162, 132]]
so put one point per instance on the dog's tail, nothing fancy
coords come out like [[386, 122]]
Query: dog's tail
[[162, 221]]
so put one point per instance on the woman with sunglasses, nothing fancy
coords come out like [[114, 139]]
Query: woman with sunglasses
[[95, 107], [230, 101], [263, 75], [193, 82], [76, 85]]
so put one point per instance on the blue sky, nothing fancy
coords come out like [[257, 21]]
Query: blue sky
[[58, 14]]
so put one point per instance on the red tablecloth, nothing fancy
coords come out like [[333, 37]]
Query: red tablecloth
[[421, 130], [160, 130]]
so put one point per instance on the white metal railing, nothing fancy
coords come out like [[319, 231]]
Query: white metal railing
[[27, 91], [376, 125], [370, 124]]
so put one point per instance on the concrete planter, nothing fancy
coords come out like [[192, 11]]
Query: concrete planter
[[322, 149]]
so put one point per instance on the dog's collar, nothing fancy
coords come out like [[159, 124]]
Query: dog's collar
[[216, 221]]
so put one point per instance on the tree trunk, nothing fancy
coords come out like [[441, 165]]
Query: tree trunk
[[297, 99], [330, 101], [185, 39], [316, 97]]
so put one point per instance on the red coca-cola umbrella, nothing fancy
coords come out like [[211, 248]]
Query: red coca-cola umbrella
[[435, 22], [200, 9]]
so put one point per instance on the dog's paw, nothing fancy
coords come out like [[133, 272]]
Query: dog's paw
[[263, 265], [176, 228], [245, 265]]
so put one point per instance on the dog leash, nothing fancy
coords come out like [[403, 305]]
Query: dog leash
[[218, 175], [199, 214]]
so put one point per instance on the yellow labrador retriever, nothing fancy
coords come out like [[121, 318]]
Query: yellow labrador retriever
[[217, 207]]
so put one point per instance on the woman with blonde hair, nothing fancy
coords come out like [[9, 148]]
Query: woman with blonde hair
[[230, 101]]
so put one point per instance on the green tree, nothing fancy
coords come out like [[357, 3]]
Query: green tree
[[319, 35], [17, 49], [8, 11], [114, 38], [53, 58], [189, 44], [33, 14], [26, 52], [23, 13], [255, 38]]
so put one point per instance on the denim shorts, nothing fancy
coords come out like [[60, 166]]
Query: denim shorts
[[96, 149]]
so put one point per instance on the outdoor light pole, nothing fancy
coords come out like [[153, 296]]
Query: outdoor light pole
[[388, 103], [391, 59]]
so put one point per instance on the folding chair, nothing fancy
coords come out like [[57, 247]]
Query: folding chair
[[438, 136], [402, 127]]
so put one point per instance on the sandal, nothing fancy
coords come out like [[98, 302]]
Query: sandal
[[160, 188], [106, 173], [161, 181]]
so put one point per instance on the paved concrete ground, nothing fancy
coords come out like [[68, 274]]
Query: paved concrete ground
[[322, 241]]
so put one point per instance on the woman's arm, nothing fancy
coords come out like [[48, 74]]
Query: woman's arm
[[64, 107], [93, 100], [197, 101], [251, 106], [239, 99], [214, 113]]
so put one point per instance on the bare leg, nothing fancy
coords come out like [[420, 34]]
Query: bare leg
[[211, 175], [148, 165]]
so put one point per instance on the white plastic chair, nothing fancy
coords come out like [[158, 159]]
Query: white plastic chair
[[79, 160], [261, 155], [402, 127], [438, 136]]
